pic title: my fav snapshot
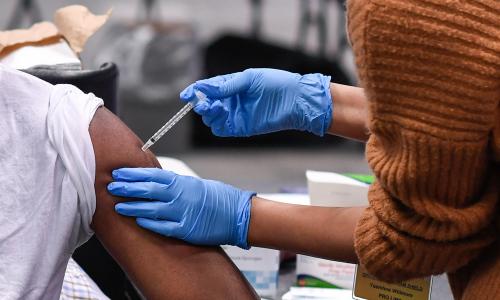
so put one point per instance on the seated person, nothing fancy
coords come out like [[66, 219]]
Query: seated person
[[58, 149]]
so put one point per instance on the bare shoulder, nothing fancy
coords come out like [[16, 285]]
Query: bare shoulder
[[115, 145]]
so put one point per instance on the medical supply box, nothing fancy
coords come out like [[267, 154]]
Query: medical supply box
[[260, 267], [331, 190]]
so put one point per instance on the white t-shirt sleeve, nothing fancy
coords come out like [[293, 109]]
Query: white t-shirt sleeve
[[69, 115], [47, 182]]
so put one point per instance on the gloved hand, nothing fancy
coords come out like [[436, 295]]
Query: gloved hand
[[258, 101], [198, 211]]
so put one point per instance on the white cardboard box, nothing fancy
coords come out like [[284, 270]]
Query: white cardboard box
[[323, 273], [301, 293], [336, 190], [260, 267], [331, 190]]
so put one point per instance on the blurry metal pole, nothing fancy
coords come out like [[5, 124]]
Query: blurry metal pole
[[256, 18], [307, 20], [148, 9], [322, 20], [343, 41], [23, 7]]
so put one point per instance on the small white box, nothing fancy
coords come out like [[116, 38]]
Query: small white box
[[323, 273], [260, 267], [302, 293], [331, 190], [336, 190]]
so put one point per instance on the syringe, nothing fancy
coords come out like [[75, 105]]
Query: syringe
[[176, 118]]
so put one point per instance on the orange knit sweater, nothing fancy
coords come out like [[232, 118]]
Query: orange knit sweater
[[431, 72]]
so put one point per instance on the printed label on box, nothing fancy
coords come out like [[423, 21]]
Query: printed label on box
[[260, 267], [322, 273]]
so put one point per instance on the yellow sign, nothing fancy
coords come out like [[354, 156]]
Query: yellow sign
[[369, 288]]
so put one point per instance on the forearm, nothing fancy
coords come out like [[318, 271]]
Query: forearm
[[325, 232], [349, 118]]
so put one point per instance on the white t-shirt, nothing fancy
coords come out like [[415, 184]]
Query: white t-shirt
[[47, 196]]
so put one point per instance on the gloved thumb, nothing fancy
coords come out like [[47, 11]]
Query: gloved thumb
[[188, 93], [232, 85], [202, 108], [164, 227]]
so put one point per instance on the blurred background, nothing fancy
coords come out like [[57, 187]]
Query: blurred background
[[162, 46]]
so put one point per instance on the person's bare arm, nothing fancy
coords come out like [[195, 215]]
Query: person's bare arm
[[349, 118], [161, 268], [324, 232]]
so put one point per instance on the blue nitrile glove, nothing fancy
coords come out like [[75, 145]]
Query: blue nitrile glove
[[258, 101], [199, 211]]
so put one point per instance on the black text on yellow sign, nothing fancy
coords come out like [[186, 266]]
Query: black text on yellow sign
[[369, 288]]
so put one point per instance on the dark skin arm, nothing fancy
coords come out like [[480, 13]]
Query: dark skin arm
[[160, 267]]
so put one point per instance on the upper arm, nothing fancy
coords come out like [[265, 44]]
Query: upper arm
[[160, 267]]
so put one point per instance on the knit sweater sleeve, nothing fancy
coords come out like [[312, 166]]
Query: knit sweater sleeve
[[431, 72]]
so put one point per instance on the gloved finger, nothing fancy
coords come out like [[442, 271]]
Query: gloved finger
[[233, 84], [216, 112], [188, 93], [147, 209], [239, 84], [166, 228], [143, 174], [210, 85], [202, 108], [220, 126], [145, 190], [217, 80]]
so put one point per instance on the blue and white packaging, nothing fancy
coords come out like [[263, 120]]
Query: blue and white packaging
[[260, 267]]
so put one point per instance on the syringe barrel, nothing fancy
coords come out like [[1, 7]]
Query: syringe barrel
[[200, 97]]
